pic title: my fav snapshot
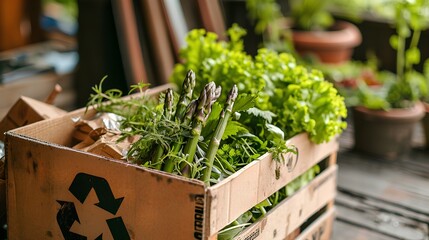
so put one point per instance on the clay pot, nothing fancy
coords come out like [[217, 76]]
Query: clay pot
[[386, 133], [332, 46]]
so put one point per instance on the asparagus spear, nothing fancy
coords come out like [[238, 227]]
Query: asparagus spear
[[187, 118], [185, 95], [205, 101], [181, 109], [217, 136], [168, 113]]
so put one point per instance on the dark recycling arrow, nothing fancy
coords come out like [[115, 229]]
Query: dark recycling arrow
[[66, 216], [82, 185], [117, 228]]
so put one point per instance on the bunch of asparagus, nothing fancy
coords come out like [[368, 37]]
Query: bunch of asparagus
[[180, 154]]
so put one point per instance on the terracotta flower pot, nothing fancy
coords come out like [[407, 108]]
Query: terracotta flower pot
[[332, 46], [385, 133]]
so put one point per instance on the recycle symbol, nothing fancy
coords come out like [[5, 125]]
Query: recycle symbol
[[80, 188]]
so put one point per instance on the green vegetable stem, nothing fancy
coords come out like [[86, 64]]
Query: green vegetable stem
[[187, 119], [220, 129], [185, 95], [168, 113], [208, 96], [182, 108]]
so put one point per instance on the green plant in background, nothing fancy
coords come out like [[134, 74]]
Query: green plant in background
[[303, 15], [301, 99], [311, 14], [408, 85], [317, 14], [265, 12], [267, 17]]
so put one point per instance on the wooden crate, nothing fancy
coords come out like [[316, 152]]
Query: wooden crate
[[124, 201], [285, 219]]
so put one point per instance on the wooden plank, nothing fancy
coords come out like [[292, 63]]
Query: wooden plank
[[294, 211], [212, 17], [267, 181], [244, 192], [176, 23], [388, 181], [360, 201], [381, 217], [384, 223], [343, 230], [128, 37], [380, 199], [309, 154], [217, 212], [162, 48], [321, 228]]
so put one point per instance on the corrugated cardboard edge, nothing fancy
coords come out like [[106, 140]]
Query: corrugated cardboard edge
[[13, 134]]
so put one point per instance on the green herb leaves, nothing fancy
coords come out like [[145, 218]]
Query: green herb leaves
[[300, 100]]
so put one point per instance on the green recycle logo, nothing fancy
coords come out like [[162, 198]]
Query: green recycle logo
[[80, 188]]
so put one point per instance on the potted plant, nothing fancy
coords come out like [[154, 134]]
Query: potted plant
[[385, 118], [314, 32]]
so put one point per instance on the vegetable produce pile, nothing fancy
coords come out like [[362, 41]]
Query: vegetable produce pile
[[193, 137], [301, 100], [205, 134]]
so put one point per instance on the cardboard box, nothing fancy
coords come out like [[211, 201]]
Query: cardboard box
[[57, 192], [26, 111]]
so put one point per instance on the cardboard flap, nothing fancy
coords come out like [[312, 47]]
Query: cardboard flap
[[26, 111]]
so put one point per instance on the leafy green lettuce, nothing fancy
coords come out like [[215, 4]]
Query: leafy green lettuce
[[300, 98]]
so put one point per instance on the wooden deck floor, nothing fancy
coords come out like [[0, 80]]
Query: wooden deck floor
[[379, 199]]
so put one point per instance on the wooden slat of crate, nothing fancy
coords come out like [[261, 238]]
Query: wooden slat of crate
[[309, 155], [293, 212], [321, 228], [257, 181]]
